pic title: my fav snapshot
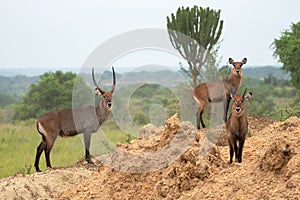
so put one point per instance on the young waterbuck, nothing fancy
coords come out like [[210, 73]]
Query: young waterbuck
[[218, 91], [237, 125], [71, 122]]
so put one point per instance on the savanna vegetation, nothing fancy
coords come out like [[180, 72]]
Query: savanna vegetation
[[24, 99], [273, 98]]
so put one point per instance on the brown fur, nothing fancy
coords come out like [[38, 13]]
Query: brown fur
[[218, 91], [62, 122], [237, 126]]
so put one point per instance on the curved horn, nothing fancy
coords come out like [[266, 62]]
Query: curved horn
[[95, 83], [114, 80], [244, 92]]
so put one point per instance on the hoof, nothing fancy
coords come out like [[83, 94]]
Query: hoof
[[89, 161], [37, 169]]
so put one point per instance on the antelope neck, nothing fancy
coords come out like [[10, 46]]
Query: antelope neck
[[236, 82]]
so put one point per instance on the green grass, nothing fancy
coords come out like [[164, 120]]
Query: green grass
[[283, 108], [18, 143]]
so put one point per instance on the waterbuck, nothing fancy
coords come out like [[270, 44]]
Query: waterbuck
[[71, 122], [218, 91], [237, 125]]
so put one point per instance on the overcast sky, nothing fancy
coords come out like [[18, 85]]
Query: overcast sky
[[63, 33]]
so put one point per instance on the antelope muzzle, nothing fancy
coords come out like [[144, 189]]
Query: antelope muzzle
[[238, 109]]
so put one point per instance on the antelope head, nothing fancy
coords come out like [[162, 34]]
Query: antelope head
[[237, 66], [106, 96], [238, 106]]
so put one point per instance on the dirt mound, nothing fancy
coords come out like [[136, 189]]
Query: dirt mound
[[203, 171], [178, 162], [283, 147], [45, 185], [153, 153], [270, 168], [154, 141], [191, 164], [277, 156]]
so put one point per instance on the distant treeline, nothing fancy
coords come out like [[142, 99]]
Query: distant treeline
[[153, 92], [262, 72], [18, 86]]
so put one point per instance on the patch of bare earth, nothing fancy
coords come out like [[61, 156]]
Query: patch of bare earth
[[270, 167], [45, 185]]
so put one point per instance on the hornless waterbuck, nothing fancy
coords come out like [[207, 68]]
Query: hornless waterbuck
[[237, 125], [218, 91], [62, 123]]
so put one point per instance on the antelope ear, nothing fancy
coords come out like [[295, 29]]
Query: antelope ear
[[230, 61], [248, 96], [244, 61], [98, 92]]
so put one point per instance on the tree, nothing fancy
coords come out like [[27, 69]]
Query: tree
[[225, 71], [140, 119], [194, 33], [287, 49], [6, 100], [52, 92]]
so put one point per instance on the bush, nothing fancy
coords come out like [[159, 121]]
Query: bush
[[141, 119], [53, 92]]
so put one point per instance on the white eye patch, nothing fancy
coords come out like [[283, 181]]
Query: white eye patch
[[97, 92]]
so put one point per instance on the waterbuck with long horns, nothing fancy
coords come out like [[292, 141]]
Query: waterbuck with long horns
[[62, 122], [237, 125], [218, 91]]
